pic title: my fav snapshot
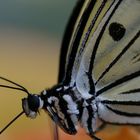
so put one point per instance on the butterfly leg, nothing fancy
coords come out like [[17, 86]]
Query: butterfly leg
[[94, 137]]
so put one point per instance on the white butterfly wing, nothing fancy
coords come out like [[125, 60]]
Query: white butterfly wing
[[114, 65]]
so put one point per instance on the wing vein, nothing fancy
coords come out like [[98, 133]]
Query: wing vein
[[119, 56], [118, 82], [75, 42], [114, 102], [123, 113], [101, 34]]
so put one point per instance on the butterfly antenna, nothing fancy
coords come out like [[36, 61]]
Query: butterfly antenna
[[20, 87], [11, 122]]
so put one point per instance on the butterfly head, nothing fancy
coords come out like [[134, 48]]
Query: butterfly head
[[31, 105]]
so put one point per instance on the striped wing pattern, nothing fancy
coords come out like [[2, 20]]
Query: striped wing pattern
[[106, 71], [99, 70]]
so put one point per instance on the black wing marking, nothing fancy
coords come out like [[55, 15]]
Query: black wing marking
[[66, 40], [76, 40], [85, 75]]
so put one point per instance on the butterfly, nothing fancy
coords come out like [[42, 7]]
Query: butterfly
[[99, 70]]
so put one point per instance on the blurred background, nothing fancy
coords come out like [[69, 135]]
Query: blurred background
[[31, 32]]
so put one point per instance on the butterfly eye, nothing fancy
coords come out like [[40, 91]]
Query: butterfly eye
[[116, 31]]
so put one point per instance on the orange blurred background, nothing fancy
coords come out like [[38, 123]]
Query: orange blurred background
[[30, 40]]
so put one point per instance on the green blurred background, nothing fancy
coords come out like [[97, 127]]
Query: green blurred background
[[46, 16], [31, 32]]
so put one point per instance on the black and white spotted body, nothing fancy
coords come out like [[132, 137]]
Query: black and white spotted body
[[65, 107]]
